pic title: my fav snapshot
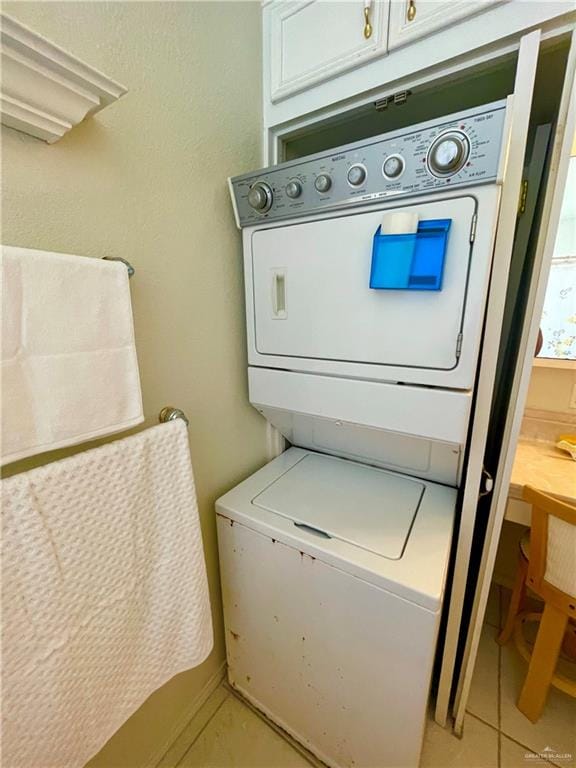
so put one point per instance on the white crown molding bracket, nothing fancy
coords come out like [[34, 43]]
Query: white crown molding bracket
[[46, 91]]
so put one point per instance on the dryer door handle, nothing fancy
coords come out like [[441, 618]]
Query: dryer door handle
[[279, 294]]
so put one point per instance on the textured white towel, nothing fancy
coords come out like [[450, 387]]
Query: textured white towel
[[105, 595], [69, 367]]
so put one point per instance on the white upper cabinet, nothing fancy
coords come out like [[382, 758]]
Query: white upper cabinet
[[411, 19], [318, 54], [313, 41]]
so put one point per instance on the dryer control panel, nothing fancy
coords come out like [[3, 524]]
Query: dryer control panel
[[454, 151]]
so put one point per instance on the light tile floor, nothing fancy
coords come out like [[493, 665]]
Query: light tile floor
[[229, 734], [496, 685], [234, 736]]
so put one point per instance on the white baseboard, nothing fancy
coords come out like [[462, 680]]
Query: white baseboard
[[188, 714]]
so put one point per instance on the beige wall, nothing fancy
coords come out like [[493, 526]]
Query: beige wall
[[146, 180], [551, 389]]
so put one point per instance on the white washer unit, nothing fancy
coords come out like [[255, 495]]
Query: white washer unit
[[363, 349], [332, 579]]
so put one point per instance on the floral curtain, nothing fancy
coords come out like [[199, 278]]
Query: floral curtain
[[558, 324]]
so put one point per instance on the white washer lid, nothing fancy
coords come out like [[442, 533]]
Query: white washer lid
[[363, 506]]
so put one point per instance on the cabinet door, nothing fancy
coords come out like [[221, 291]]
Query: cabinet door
[[555, 189], [313, 41], [457, 622], [412, 19]]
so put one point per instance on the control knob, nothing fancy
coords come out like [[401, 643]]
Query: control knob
[[448, 153], [260, 197], [323, 182], [294, 188], [393, 166], [357, 175]]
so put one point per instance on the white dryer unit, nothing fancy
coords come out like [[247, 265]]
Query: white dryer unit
[[366, 275], [327, 349]]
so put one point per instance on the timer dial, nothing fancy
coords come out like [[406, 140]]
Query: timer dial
[[260, 197], [323, 182], [448, 153], [356, 175]]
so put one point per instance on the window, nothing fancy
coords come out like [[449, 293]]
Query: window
[[558, 325]]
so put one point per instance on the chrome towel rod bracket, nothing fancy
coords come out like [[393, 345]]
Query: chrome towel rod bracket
[[127, 264], [169, 414]]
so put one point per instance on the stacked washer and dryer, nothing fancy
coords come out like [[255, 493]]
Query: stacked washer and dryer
[[366, 275]]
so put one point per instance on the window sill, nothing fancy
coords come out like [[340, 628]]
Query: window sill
[[553, 362]]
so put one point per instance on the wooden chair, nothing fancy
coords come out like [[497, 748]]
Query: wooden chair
[[547, 564]]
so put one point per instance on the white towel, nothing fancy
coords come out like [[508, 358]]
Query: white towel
[[69, 367], [105, 595]]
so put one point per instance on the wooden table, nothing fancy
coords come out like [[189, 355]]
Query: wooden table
[[545, 467]]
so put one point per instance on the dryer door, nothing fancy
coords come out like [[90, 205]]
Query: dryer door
[[312, 297]]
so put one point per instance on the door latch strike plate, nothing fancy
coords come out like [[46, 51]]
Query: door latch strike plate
[[523, 197], [458, 345], [487, 483], [473, 228]]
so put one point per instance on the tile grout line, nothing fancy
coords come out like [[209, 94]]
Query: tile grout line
[[201, 731], [528, 749], [480, 720], [310, 758], [510, 738]]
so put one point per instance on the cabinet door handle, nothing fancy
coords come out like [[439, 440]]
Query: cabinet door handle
[[367, 24], [411, 12]]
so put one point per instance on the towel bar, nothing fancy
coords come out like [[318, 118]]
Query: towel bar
[[129, 266], [169, 414]]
